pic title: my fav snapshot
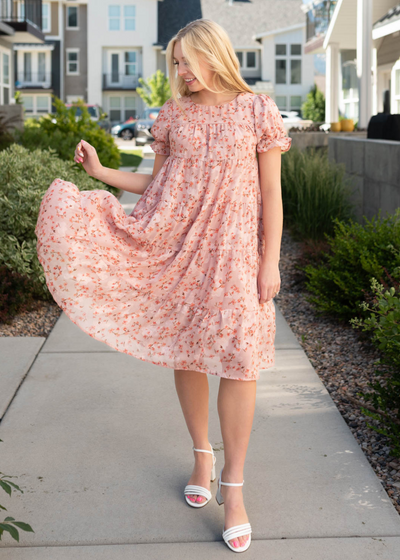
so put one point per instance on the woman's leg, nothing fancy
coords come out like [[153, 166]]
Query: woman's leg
[[236, 403], [193, 392]]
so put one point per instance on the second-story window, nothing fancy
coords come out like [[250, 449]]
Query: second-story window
[[295, 64], [72, 17], [72, 62], [46, 26], [129, 18], [115, 13], [114, 18]]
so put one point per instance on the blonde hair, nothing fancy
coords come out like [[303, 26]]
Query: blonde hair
[[208, 39]]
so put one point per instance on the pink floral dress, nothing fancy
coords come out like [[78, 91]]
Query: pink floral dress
[[175, 282]]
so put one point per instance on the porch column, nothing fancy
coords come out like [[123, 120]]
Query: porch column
[[364, 61], [332, 83]]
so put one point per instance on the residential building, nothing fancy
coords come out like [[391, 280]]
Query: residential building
[[121, 49], [361, 39], [59, 66], [268, 37], [20, 21]]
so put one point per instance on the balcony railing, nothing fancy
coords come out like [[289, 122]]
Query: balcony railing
[[27, 79], [116, 80], [26, 11], [318, 18]]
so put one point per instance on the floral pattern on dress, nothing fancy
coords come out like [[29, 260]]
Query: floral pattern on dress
[[175, 282]]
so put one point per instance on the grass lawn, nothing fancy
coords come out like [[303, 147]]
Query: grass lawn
[[131, 158]]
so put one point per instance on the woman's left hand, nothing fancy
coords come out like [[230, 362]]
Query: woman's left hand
[[269, 281]]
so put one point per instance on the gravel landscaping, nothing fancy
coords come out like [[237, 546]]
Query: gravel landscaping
[[343, 361]]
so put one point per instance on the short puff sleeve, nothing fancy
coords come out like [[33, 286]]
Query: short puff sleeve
[[160, 130], [270, 129]]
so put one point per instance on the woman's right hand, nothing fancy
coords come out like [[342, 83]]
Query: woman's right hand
[[86, 154]]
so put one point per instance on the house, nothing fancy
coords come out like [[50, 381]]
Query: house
[[362, 44], [59, 66], [20, 21], [120, 50], [268, 38]]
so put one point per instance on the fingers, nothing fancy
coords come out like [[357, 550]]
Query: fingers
[[79, 156], [265, 295]]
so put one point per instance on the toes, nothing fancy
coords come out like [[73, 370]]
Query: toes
[[192, 498], [200, 499], [239, 541]]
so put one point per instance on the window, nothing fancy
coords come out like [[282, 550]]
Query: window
[[114, 17], [129, 17], [72, 17], [295, 102], [130, 107], [72, 62], [27, 101], [27, 67], [280, 71], [114, 68], [41, 67], [280, 50], [130, 63], [295, 71], [36, 104], [4, 78], [46, 25], [281, 102], [295, 50], [247, 59], [251, 59], [115, 109]]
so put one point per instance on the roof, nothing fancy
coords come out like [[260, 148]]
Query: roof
[[240, 19], [392, 15]]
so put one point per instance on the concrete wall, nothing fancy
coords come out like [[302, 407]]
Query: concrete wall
[[374, 167], [303, 140]]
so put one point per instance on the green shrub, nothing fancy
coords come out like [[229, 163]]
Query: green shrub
[[24, 178], [314, 193], [357, 253], [383, 321], [314, 107], [66, 131]]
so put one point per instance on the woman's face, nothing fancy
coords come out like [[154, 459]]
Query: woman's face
[[184, 71]]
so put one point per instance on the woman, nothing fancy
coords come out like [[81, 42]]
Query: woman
[[187, 280]]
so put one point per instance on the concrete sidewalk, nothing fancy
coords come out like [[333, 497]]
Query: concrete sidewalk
[[99, 444]]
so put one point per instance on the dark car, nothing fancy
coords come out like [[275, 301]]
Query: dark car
[[139, 129]]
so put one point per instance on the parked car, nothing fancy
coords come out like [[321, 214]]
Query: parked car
[[96, 114], [125, 130], [139, 129]]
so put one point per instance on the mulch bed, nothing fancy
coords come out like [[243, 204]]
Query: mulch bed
[[342, 359], [344, 362]]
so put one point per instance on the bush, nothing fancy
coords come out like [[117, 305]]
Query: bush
[[383, 322], [357, 253], [314, 107], [24, 178], [314, 193], [65, 132]]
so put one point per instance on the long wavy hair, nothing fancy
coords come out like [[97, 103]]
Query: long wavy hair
[[205, 38]]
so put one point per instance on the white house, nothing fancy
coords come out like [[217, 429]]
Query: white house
[[121, 35]]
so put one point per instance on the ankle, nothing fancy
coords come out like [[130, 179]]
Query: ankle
[[232, 475]]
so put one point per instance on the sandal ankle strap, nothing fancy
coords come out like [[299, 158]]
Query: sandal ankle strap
[[229, 483], [205, 450]]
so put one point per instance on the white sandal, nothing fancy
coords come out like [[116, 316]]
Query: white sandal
[[200, 490], [237, 530]]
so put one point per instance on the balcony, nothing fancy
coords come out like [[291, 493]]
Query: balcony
[[318, 17], [33, 80], [24, 19], [119, 81]]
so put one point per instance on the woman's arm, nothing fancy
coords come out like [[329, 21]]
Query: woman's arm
[[269, 164], [137, 183]]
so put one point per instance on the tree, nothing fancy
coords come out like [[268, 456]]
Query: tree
[[155, 90], [314, 107]]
